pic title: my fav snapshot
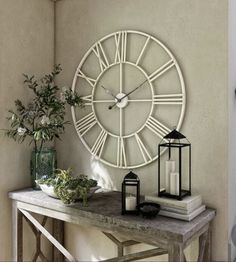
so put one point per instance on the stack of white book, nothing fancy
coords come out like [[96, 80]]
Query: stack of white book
[[186, 209]]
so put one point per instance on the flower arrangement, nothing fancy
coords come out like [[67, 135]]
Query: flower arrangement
[[43, 119]]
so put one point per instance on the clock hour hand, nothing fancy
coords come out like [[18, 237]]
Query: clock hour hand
[[110, 93], [119, 100]]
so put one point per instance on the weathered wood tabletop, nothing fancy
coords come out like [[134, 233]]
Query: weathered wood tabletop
[[104, 212]]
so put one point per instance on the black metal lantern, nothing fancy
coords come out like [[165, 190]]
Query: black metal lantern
[[174, 169], [130, 194]]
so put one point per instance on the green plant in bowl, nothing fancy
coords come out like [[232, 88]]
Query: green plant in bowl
[[68, 188]]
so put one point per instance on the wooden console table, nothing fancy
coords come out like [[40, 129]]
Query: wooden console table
[[170, 236]]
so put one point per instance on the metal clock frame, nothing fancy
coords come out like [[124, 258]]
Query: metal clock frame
[[84, 124]]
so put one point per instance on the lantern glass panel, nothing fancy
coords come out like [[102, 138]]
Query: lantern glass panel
[[131, 198], [185, 168], [169, 166], [175, 167], [130, 190]]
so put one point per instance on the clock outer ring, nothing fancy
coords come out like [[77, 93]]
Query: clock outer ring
[[182, 84]]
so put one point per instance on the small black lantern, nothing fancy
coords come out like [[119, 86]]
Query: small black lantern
[[130, 194], [174, 169]]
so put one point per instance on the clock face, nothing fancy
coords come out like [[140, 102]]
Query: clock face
[[134, 95]]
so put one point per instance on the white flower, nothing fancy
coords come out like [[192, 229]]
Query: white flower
[[21, 131], [45, 120], [13, 117], [64, 89], [63, 97]]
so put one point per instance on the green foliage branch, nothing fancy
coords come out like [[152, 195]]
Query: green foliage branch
[[69, 188], [43, 119]]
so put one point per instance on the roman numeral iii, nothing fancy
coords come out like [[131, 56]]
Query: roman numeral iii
[[170, 99]]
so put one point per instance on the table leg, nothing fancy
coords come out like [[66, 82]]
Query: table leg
[[58, 234], [17, 233], [176, 253], [205, 246]]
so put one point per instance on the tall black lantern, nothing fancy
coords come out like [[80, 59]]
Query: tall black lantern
[[130, 194], [174, 168]]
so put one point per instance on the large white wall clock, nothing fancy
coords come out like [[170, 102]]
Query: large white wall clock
[[134, 95]]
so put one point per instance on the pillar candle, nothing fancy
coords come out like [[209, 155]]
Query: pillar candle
[[130, 203], [174, 183], [170, 167]]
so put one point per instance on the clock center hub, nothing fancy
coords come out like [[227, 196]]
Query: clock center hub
[[124, 101]]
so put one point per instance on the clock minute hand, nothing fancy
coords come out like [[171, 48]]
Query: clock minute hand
[[118, 101], [133, 90]]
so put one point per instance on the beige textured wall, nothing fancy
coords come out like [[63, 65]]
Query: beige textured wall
[[232, 127], [196, 32], [26, 46]]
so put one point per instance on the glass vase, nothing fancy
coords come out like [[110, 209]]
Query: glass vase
[[42, 164]]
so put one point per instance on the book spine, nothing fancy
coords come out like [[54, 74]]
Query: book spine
[[175, 204], [181, 210], [181, 216]]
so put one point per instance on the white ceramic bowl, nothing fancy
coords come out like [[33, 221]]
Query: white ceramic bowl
[[49, 190]]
